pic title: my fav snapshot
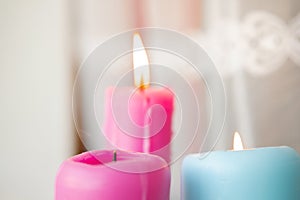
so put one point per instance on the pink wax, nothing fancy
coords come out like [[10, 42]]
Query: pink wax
[[94, 176], [139, 120]]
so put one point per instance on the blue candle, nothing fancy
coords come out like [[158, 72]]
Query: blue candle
[[271, 173]]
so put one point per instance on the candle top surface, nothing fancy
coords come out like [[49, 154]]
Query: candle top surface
[[277, 153], [125, 161]]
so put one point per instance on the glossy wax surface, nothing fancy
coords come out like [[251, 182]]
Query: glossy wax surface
[[271, 173], [139, 120], [93, 176]]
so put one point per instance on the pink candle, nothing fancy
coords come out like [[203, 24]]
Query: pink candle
[[95, 176], [139, 120]]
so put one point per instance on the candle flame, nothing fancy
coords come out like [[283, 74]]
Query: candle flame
[[237, 142], [141, 68]]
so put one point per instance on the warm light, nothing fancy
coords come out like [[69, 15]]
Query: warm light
[[140, 63], [237, 142]]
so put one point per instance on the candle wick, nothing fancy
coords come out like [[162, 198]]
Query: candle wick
[[142, 85], [115, 155]]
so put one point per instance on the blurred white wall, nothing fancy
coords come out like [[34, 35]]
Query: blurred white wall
[[35, 103], [180, 15], [94, 21]]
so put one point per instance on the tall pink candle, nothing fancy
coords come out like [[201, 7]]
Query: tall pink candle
[[95, 176], [139, 120]]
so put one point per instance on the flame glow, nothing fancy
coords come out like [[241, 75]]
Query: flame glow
[[140, 63], [237, 142]]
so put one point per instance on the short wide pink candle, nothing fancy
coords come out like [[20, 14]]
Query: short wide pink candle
[[139, 120], [95, 176]]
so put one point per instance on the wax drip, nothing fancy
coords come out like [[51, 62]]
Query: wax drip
[[146, 143]]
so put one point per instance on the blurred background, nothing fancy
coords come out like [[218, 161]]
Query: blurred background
[[255, 45]]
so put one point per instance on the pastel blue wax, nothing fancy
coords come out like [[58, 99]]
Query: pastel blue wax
[[271, 173]]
